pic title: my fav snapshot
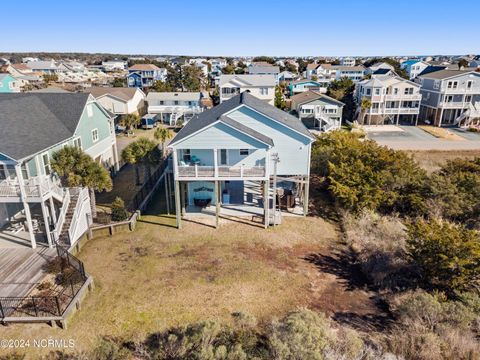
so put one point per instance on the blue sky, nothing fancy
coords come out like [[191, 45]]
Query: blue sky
[[243, 27]]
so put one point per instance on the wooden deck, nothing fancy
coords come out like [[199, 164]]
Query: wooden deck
[[21, 269]]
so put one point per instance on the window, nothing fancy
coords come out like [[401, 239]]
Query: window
[[3, 173], [95, 135], [89, 110], [448, 98], [436, 84], [469, 84], [244, 152], [175, 102], [161, 102], [395, 91], [452, 84], [46, 164], [77, 143], [369, 91], [186, 155], [263, 91], [408, 91], [377, 91], [468, 98]]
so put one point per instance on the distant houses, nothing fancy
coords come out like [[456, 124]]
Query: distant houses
[[119, 100], [172, 107], [8, 84]]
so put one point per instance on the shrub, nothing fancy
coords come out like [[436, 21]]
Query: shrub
[[379, 243], [361, 174], [447, 254], [119, 211]]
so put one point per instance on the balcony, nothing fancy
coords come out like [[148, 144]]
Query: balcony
[[222, 171], [157, 109], [454, 105], [401, 97], [388, 111], [34, 188]]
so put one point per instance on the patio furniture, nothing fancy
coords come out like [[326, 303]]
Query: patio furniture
[[202, 202]]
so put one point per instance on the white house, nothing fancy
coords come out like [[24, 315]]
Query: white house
[[347, 61], [120, 100], [237, 156], [393, 100], [174, 106], [414, 67], [114, 65], [261, 86]]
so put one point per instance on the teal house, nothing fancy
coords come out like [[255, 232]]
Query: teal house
[[235, 158], [34, 207], [303, 85], [8, 84]]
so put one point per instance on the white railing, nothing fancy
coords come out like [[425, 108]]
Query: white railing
[[156, 109], [199, 171], [454, 104], [61, 217], [402, 110], [403, 97], [34, 187], [83, 198]]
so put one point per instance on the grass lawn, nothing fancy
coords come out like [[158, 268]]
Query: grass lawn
[[432, 160], [441, 133], [158, 276]]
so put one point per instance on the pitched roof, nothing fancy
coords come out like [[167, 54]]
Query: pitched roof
[[247, 130], [32, 122], [312, 66], [208, 117], [444, 74], [263, 69], [310, 95], [144, 67], [249, 79], [183, 96], [20, 67], [123, 93]]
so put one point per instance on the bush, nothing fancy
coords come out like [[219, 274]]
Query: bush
[[361, 174], [379, 243], [430, 327], [447, 254], [119, 211]]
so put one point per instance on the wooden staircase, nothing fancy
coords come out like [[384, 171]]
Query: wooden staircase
[[64, 239]]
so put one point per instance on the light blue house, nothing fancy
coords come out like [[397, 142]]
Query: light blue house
[[231, 156], [303, 85], [8, 84], [34, 207]]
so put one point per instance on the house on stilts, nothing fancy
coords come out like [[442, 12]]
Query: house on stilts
[[243, 157]]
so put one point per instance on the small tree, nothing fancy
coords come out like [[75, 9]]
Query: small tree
[[279, 99], [130, 121], [162, 134], [140, 152], [76, 168], [448, 254], [119, 211], [462, 63], [364, 106]]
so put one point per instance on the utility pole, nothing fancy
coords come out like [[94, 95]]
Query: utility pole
[[276, 160]]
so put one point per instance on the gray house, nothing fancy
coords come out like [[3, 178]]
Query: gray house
[[450, 97], [318, 111]]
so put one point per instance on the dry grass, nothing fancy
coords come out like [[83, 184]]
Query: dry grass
[[432, 160], [159, 277], [441, 133]]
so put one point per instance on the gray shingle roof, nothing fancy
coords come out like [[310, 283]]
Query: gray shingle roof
[[208, 117], [32, 122]]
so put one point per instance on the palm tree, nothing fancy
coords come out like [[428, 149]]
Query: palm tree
[[130, 121], [162, 134], [141, 151], [364, 105], [76, 168]]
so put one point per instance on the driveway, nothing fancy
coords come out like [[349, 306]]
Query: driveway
[[414, 138]]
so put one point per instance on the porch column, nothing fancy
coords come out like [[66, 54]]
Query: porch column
[[46, 221], [306, 195], [52, 211], [177, 204], [115, 156], [416, 120], [183, 197], [23, 197], [215, 162], [217, 203]]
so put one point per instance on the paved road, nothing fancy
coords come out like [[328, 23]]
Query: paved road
[[414, 138]]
